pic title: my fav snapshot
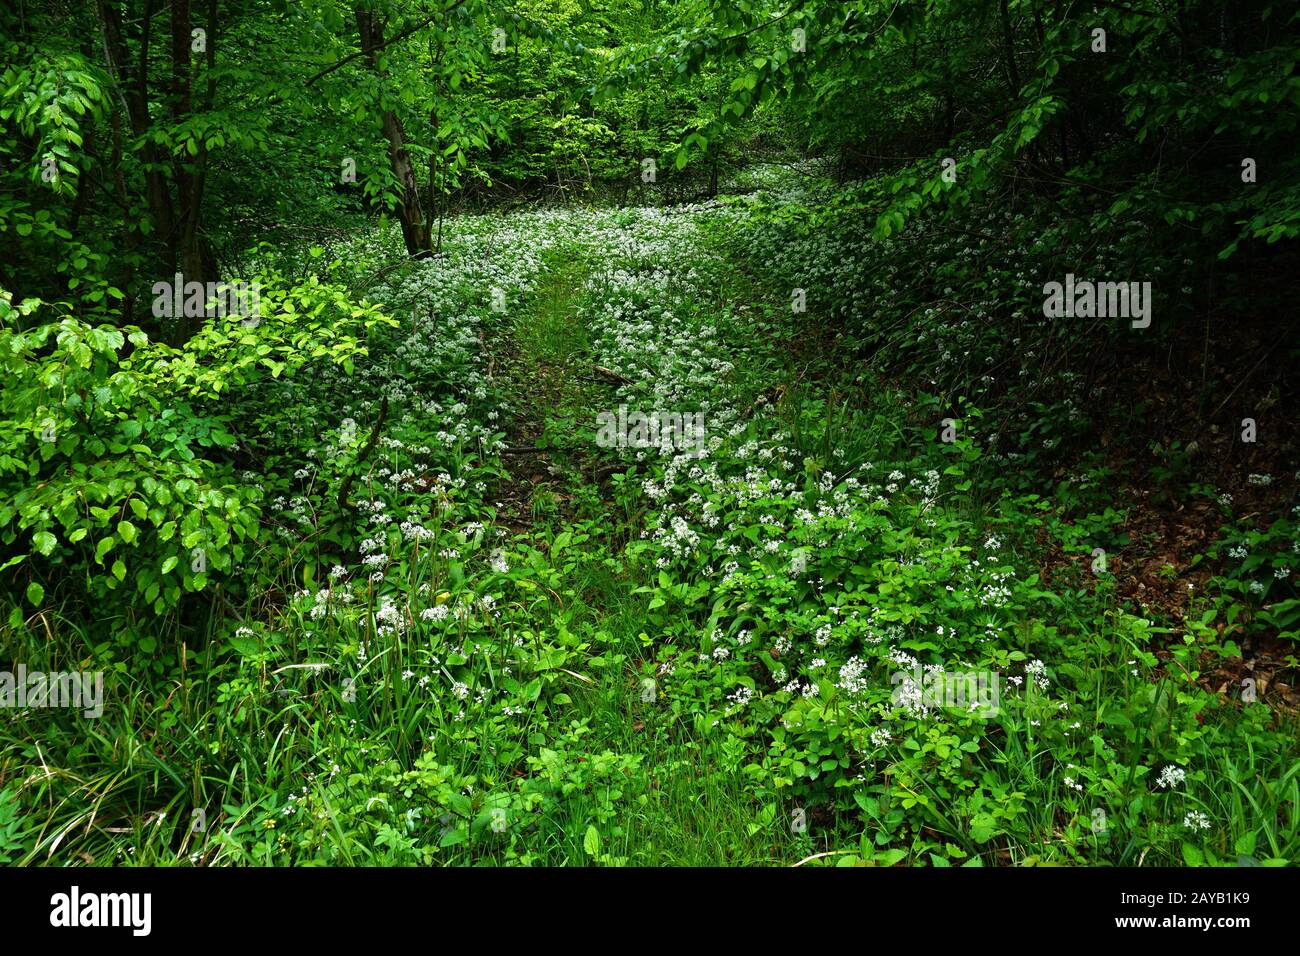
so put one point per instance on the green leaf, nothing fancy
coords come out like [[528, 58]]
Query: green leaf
[[591, 841], [44, 542], [35, 594], [983, 826]]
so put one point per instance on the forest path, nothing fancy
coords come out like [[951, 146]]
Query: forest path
[[622, 317], [540, 353]]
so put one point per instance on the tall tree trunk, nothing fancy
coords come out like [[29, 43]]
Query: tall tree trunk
[[188, 239], [209, 104], [1009, 45], [410, 213], [132, 237], [135, 103]]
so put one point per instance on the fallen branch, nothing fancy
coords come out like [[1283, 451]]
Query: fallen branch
[[611, 374]]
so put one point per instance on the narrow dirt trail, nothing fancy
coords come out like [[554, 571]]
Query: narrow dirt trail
[[540, 351]]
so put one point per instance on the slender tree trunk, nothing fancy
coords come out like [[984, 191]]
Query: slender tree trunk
[[410, 213], [132, 238], [1009, 43], [209, 104], [191, 246], [433, 178], [135, 102], [415, 227]]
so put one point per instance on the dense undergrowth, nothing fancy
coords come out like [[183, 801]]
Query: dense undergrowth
[[391, 602]]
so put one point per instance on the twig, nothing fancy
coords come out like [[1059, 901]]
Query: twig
[[374, 49], [1247, 378]]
